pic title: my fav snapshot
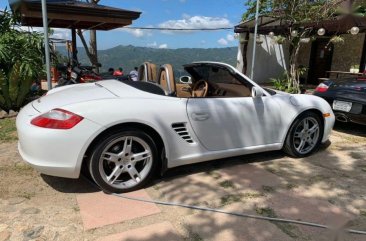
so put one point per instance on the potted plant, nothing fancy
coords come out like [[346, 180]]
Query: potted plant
[[355, 68]]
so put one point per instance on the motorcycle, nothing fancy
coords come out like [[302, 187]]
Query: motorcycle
[[76, 75]]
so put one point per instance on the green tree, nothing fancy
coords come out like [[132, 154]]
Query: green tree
[[21, 61], [294, 14]]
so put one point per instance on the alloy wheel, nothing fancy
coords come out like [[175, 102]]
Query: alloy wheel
[[125, 162], [306, 135]]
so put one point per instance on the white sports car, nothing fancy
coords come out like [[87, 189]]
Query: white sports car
[[125, 132]]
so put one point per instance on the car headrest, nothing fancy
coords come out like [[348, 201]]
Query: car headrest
[[166, 78]]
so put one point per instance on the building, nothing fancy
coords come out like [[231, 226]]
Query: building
[[319, 56]]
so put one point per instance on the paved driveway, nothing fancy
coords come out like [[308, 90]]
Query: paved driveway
[[327, 188]]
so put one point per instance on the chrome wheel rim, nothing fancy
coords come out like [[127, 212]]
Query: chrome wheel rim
[[306, 135], [125, 162]]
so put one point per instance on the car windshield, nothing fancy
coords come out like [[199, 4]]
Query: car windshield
[[214, 74]]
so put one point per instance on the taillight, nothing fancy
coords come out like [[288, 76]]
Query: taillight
[[57, 119], [322, 88]]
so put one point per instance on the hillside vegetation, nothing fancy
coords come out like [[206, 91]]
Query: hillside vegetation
[[128, 57]]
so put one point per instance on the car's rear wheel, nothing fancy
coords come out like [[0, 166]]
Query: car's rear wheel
[[304, 136], [124, 161]]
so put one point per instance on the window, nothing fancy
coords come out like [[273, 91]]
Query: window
[[222, 81]]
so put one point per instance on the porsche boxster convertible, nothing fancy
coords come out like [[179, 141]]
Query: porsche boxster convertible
[[123, 133]]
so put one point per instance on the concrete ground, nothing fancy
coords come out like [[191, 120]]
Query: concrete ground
[[327, 188]]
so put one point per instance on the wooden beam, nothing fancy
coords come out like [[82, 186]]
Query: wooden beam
[[83, 18], [74, 47], [73, 24], [97, 25]]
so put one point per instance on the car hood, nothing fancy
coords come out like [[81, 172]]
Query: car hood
[[62, 96]]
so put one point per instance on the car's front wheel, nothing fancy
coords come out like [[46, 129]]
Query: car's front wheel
[[304, 136], [124, 161]]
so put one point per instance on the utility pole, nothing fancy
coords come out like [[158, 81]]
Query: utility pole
[[255, 40], [46, 44], [93, 45]]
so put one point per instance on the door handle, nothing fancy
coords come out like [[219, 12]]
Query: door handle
[[200, 116]]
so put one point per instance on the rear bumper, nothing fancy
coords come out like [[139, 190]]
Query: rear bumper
[[350, 117], [53, 152], [357, 114]]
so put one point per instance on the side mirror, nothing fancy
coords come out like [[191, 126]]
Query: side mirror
[[185, 80], [257, 92]]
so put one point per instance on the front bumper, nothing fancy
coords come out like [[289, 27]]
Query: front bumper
[[54, 152], [328, 126]]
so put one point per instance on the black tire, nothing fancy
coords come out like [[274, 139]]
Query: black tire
[[95, 159], [289, 145]]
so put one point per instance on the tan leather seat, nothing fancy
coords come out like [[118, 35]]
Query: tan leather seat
[[166, 79], [147, 72]]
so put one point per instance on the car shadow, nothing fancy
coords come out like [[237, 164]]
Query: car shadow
[[66, 185], [350, 128], [218, 164], [84, 184]]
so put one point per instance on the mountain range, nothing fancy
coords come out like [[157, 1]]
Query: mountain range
[[130, 56]]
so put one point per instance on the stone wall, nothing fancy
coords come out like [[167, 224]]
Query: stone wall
[[344, 55], [304, 57], [348, 54]]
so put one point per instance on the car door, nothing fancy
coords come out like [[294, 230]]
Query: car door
[[230, 123]]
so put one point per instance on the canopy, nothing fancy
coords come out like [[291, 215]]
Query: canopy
[[73, 14], [338, 25]]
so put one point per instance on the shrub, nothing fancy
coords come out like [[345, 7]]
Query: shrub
[[21, 62]]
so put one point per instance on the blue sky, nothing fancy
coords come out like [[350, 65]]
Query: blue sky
[[172, 13]]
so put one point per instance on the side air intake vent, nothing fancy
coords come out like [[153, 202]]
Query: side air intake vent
[[182, 131]]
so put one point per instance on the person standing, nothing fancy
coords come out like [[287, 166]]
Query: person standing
[[134, 74], [118, 72]]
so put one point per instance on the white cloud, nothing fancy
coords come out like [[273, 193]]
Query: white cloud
[[195, 22], [138, 33], [230, 37], [222, 41], [58, 33], [182, 1], [61, 33], [163, 46]]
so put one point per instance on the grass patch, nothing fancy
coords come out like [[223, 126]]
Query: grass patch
[[271, 170], [195, 237], [252, 195], [289, 229], [7, 130], [227, 184], [231, 198], [22, 166], [156, 187], [291, 186], [267, 212], [214, 174], [27, 195], [318, 178], [268, 189]]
